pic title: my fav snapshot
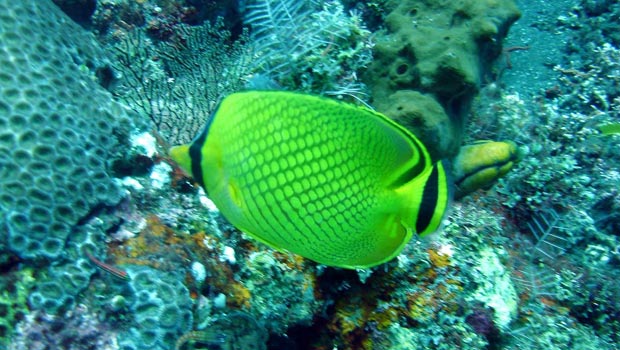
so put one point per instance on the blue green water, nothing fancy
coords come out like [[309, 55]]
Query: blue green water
[[106, 244]]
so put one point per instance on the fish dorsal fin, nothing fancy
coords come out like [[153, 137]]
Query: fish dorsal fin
[[410, 156]]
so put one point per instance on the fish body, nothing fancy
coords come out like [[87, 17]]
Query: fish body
[[335, 183], [610, 128]]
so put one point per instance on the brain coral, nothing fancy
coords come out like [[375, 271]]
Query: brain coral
[[59, 129], [161, 309]]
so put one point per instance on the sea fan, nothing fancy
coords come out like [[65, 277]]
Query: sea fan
[[549, 243], [533, 275], [282, 30], [288, 15], [536, 281]]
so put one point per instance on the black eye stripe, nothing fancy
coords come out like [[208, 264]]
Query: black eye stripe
[[195, 151]]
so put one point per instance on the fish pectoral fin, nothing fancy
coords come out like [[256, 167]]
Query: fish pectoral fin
[[231, 197], [234, 194]]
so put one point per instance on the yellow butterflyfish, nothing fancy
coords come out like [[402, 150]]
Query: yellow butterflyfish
[[335, 183]]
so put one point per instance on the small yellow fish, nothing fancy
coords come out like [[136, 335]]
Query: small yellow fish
[[335, 183]]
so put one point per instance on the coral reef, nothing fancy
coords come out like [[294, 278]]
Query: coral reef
[[170, 272], [237, 330], [112, 19], [56, 290], [311, 47], [564, 192], [78, 329], [496, 289], [14, 290], [282, 290], [59, 130], [159, 308]]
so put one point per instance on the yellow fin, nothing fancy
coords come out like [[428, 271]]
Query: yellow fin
[[425, 199], [411, 158], [394, 236]]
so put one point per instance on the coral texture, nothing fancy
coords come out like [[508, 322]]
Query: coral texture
[[59, 129], [161, 310]]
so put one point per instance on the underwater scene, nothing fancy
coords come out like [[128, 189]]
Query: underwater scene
[[309, 174]]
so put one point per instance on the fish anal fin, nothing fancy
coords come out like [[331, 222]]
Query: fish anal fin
[[392, 237]]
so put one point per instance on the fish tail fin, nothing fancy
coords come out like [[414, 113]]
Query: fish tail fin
[[180, 154], [427, 198]]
